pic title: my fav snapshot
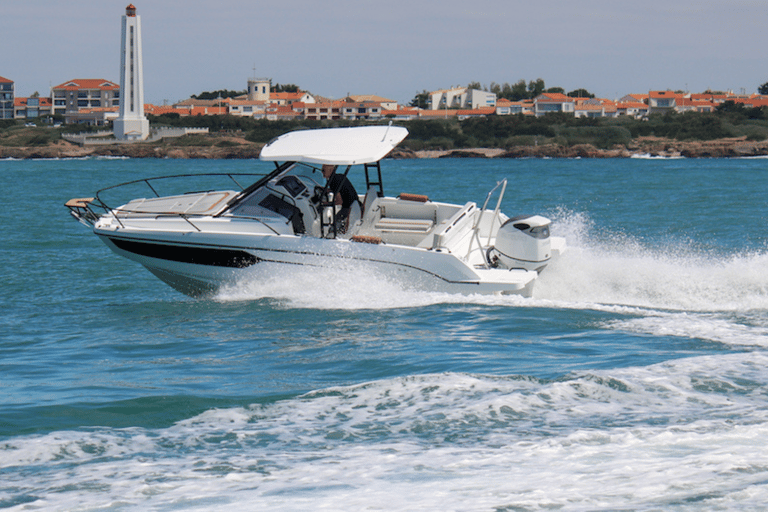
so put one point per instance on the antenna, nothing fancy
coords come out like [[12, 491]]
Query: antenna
[[386, 131]]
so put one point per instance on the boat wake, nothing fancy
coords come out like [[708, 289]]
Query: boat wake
[[619, 272], [671, 290]]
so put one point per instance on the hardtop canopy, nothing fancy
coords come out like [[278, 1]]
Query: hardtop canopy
[[335, 146]]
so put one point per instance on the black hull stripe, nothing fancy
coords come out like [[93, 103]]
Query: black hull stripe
[[185, 254]]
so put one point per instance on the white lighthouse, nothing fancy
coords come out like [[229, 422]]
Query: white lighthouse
[[131, 123]]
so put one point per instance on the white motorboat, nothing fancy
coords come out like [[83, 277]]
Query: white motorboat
[[198, 242]]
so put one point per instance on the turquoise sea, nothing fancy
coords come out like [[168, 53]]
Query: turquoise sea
[[635, 378]]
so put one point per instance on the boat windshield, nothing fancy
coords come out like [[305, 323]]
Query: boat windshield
[[290, 194]]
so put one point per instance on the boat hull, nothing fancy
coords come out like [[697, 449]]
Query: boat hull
[[199, 264]]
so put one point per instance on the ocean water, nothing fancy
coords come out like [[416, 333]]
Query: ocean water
[[635, 378]]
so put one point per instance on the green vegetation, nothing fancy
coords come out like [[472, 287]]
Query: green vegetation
[[14, 133], [226, 93], [730, 120]]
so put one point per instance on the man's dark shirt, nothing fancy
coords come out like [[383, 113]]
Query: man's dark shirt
[[340, 184]]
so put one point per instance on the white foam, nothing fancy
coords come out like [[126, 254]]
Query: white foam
[[347, 285], [681, 435], [669, 291], [621, 270]]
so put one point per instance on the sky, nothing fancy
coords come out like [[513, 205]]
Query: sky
[[393, 49]]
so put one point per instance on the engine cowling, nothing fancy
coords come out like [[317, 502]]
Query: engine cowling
[[522, 242]]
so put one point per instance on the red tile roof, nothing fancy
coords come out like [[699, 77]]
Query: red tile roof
[[632, 104], [21, 102], [483, 111], [665, 94], [157, 110], [87, 83], [5, 80], [553, 97], [286, 95], [438, 113]]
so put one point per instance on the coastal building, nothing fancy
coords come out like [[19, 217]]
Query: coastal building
[[661, 102], [131, 124], [636, 109], [550, 102], [276, 112], [691, 105], [82, 93], [595, 107], [460, 97], [31, 108], [385, 103], [323, 110], [245, 108], [437, 114], [400, 113], [6, 98], [445, 98], [634, 98], [288, 98], [505, 107], [368, 110], [463, 114], [92, 116]]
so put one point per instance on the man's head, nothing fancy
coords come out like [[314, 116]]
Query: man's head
[[328, 170]]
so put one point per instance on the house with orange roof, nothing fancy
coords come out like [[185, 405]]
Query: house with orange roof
[[245, 108], [590, 109], [368, 110], [30, 108], [6, 98], [281, 113], [634, 98], [401, 113], [208, 111], [286, 98], [691, 105], [595, 107], [636, 109], [463, 114], [711, 97], [505, 107], [660, 102], [92, 116], [752, 102], [323, 110], [385, 103], [84, 93], [191, 103], [157, 110], [437, 114], [551, 102]]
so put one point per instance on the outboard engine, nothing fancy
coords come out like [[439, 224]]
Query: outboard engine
[[522, 242]]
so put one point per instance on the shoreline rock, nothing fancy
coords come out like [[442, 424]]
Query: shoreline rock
[[644, 146]]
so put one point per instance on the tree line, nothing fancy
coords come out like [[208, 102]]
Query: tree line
[[226, 93]]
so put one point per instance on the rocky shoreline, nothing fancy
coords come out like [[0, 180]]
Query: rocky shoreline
[[240, 149]]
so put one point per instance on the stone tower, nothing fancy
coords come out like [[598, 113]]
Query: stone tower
[[131, 124], [258, 89]]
